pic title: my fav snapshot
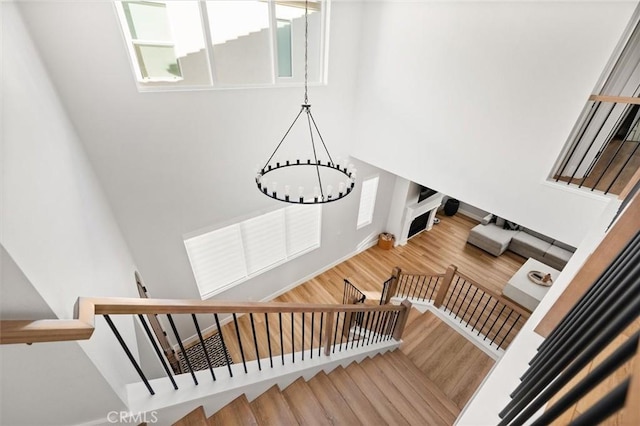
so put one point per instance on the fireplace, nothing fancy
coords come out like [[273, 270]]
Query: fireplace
[[419, 224]]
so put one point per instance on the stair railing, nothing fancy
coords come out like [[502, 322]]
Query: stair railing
[[265, 332], [473, 305]]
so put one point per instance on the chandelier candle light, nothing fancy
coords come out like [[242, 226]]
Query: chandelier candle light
[[309, 171]]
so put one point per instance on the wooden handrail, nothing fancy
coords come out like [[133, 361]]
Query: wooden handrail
[[615, 99], [81, 328]]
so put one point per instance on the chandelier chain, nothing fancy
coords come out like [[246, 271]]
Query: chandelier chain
[[306, 49]]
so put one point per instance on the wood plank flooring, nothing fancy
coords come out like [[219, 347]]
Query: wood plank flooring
[[447, 358]]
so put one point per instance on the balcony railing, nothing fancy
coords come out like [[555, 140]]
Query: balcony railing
[[604, 156]]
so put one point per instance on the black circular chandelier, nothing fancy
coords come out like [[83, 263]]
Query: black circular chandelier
[[339, 179]]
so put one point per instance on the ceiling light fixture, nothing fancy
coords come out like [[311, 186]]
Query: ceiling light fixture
[[339, 179]]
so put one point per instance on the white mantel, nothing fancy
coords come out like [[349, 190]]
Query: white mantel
[[414, 210]]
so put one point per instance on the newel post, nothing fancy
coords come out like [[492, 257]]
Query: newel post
[[328, 326], [402, 320], [393, 285], [444, 287]]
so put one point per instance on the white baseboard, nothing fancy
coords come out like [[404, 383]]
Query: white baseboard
[[290, 287]]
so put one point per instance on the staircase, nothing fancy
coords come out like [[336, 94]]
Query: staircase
[[385, 389]]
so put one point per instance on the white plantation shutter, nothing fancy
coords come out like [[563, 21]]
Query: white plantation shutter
[[231, 255], [264, 240], [367, 201], [217, 259], [303, 228]]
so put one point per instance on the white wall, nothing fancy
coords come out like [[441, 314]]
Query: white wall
[[173, 163], [59, 230], [477, 99]]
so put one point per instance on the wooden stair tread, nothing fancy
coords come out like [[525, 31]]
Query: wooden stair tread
[[304, 405], [411, 384], [356, 399], [196, 417], [271, 408], [422, 384], [236, 413], [385, 407], [410, 405], [422, 325], [338, 410]]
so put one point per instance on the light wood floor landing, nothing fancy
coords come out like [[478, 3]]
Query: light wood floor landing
[[447, 358]]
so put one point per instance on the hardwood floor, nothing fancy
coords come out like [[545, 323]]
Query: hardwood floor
[[428, 252]]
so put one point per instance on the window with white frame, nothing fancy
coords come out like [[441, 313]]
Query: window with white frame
[[367, 201], [222, 43], [228, 256]]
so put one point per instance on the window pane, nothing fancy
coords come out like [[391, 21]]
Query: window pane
[[284, 49], [367, 201], [294, 14], [217, 259], [240, 41], [303, 228], [157, 62], [264, 241], [147, 21]]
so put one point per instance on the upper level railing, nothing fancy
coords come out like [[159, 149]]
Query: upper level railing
[[477, 308], [267, 333], [603, 155], [588, 369]]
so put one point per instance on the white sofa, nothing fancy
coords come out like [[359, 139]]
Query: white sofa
[[495, 239]]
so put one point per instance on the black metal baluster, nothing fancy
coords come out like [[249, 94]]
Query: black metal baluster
[[595, 136], [367, 331], [594, 109], [375, 328], [433, 289], [608, 140], [609, 404], [463, 299], [469, 305], [620, 289], [415, 287], [510, 328], [184, 353], [303, 336], [320, 338], [293, 344], [584, 303], [235, 321], [266, 322], [488, 316], [383, 324], [453, 290], [128, 353], [548, 382], [633, 153], [281, 341], [501, 327], [458, 296], [204, 347], [312, 326], [157, 350], [224, 346], [255, 341], [494, 323], [615, 154], [335, 333], [474, 311], [344, 321], [623, 353]]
